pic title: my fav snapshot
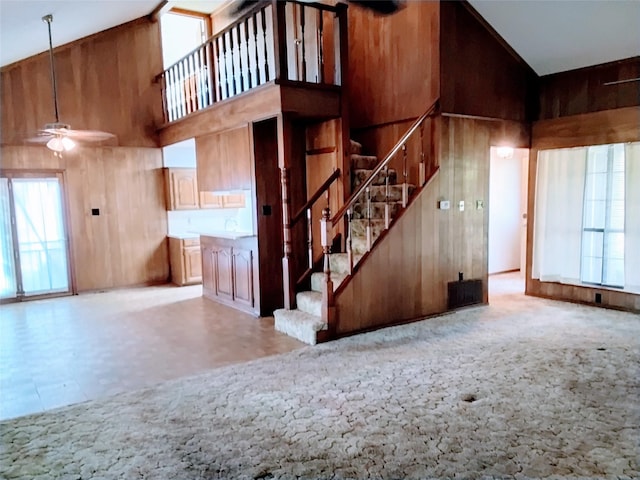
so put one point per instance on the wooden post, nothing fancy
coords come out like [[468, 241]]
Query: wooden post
[[327, 286], [286, 223], [280, 39]]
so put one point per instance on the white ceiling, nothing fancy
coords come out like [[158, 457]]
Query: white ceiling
[[23, 33], [558, 35], [551, 35]]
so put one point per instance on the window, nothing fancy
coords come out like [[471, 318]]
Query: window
[[586, 227], [603, 217]]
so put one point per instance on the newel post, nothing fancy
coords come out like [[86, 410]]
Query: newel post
[[327, 286], [286, 223]]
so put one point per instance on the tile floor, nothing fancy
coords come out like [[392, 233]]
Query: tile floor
[[67, 350]]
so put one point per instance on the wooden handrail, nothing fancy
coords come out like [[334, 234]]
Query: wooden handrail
[[313, 198], [366, 184]]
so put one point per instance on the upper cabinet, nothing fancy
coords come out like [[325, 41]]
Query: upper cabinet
[[181, 185], [224, 160]]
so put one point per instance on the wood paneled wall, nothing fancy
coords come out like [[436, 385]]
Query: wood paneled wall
[[584, 90], [224, 160], [479, 73], [408, 272], [609, 126], [464, 176], [126, 244], [393, 63], [401, 277], [105, 82]]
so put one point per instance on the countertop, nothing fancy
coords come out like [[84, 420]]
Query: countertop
[[182, 236], [225, 234]]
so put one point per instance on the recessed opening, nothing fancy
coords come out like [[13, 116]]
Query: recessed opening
[[469, 398]]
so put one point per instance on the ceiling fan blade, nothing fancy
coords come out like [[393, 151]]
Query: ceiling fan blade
[[41, 139], [89, 135]]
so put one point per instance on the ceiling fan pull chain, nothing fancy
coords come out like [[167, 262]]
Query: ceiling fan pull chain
[[48, 19]]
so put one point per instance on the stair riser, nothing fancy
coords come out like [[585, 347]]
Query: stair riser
[[363, 162], [317, 280], [355, 147], [311, 304], [377, 210], [360, 176], [359, 227]]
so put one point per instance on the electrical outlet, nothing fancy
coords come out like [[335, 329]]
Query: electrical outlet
[[444, 205]]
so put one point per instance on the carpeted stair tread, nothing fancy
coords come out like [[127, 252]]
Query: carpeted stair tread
[[355, 147], [317, 279], [362, 174], [365, 162], [299, 324]]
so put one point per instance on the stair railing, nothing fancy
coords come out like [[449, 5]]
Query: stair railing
[[306, 211], [346, 211], [273, 41]]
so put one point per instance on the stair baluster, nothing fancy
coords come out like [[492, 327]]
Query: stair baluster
[[310, 237], [327, 285], [422, 167], [369, 238], [349, 240], [387, 213], [405, 185]]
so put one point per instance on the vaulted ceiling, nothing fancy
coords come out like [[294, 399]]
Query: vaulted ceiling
[[550, 35]]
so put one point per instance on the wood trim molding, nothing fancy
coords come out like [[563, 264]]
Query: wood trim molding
[[607, 126]]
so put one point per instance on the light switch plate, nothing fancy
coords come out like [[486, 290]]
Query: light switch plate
[[444, 205], [461, 205]]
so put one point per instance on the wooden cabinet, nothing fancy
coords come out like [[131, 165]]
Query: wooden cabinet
[[186, 260], [214, 200], [181, 186], [224, 160], [229, 272]]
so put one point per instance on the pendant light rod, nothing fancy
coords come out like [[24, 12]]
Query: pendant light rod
[[48, 19]]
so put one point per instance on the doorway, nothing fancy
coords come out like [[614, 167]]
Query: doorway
[[35, 250], [508, 181]]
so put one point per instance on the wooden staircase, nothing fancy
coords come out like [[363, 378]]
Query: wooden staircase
[[305, 322], [378, 199]]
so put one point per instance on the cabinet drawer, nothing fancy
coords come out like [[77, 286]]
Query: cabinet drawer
[[190, 242]]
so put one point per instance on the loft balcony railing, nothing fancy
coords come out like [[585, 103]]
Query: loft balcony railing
[[278, 41]]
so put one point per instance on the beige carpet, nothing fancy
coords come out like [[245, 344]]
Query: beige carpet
[[526, 388]]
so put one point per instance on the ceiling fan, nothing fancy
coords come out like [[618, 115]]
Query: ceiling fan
[[58, 136], [380, 7]]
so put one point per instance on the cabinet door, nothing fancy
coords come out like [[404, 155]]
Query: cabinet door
[[210, 200], [183, 189], [192, 264], [222, 271], [208, 272], [234, 200], [243, 276]]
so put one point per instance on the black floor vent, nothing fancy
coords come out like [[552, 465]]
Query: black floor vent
[[464, 292]]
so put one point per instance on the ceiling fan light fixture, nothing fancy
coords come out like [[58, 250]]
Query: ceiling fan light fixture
[[61, 144]]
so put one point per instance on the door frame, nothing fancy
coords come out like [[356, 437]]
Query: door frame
[[60, 174]]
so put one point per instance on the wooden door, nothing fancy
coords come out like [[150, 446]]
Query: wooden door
[[243, 276]]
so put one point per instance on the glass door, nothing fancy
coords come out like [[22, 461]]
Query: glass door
[[37, 237], [8, 281]]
